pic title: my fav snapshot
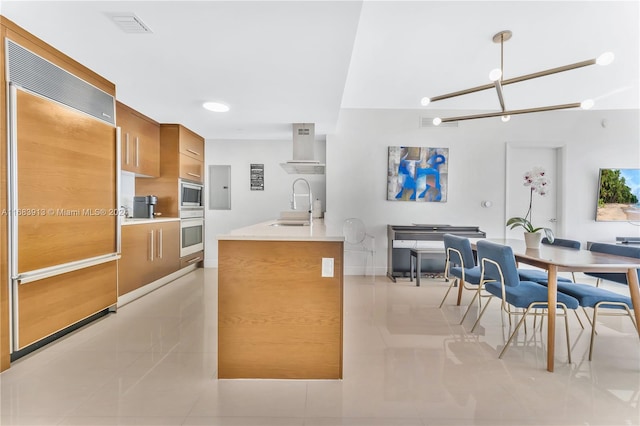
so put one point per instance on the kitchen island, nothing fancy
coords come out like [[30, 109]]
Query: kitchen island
[[280, 301]]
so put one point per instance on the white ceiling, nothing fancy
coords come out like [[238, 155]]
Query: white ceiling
[[277, 63]]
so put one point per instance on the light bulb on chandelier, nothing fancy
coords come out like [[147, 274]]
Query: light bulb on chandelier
[[495, 74], [605, 59], [587, 104]]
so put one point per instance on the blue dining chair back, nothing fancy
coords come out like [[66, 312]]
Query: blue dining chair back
[[462, 254], [618, 250], [503, 268], [460, 266], [498, 263], [562, 243]]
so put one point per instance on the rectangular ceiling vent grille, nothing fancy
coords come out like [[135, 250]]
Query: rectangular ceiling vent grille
[[428, 122], [31, 72], [131, 24]]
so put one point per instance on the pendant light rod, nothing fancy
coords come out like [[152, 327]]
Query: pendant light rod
[[516, 79], [513, 112], [499, 90], [550, 71], [604, 59]]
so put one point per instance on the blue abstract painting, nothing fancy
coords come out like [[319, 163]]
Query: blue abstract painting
[[417, 174]]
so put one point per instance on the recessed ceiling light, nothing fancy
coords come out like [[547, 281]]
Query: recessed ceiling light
[[216, 106]]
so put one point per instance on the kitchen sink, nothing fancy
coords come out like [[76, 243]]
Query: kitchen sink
[[290, 223]]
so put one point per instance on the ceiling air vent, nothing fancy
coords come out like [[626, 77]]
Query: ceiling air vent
[[428, 122], [130, 23]]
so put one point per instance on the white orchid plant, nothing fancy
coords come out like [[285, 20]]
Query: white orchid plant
[[538, 182]]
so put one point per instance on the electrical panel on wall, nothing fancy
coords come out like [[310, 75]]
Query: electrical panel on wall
[[220, 187]]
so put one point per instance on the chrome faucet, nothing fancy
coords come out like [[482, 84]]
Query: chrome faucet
[[294, 195]]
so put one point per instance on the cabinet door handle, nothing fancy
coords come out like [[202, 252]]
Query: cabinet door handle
[[151, 244], [193, 174], [160, 239], [194, 260], [192, 151], [137, 152], [126, 148]]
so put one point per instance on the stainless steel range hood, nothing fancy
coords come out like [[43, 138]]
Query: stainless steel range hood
[[303, 158]]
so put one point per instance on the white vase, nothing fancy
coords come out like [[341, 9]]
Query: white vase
[[532, 240]]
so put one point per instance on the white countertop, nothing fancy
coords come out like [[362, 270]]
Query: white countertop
[[317, 231], [140, 221]]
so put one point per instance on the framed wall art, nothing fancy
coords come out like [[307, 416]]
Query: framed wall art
[[417, 174], [257, 177]]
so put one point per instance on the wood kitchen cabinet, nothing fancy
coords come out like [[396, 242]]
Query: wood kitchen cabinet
[[191, 168], [191, 144], [140, 139], [149, 252], [182, 157], [190, 151], [192, 259]]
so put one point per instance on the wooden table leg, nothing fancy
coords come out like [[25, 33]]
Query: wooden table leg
[[552, 297], [634, 290]]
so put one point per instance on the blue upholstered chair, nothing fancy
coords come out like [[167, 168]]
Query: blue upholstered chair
[[618, 250], [460, 266], [597, 298], [538, 275], [498, 263]]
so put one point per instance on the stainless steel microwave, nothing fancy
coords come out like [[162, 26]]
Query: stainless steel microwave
[[191, 195]]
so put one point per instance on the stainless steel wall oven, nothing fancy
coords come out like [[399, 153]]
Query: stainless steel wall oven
[[191, 232]]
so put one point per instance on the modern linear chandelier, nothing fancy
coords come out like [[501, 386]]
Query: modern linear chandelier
[[496, 76]]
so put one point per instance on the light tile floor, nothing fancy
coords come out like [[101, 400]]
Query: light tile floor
[[406, 362]]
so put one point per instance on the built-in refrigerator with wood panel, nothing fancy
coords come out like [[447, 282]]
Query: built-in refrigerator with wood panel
[[63, 198]]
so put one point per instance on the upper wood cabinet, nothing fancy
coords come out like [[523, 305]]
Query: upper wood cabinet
[[191, 169], [176, 163], [140, 138], [191, 144], [191, 153]]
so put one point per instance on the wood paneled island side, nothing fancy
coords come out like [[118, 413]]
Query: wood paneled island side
[[278, 316]]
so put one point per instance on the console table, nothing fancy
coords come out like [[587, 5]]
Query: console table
[[403, 238]]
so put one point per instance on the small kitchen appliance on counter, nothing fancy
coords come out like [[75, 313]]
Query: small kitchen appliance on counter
[[144, 206]]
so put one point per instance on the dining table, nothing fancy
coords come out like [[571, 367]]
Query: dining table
[[556, 259]]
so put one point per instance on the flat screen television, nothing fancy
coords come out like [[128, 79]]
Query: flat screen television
[[618, 195]]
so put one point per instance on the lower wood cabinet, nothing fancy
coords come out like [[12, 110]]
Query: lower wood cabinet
[[192, 259], [150, 251], [52, 304], [278, 316]]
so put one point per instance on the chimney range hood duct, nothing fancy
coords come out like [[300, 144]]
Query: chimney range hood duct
[[303, 159]]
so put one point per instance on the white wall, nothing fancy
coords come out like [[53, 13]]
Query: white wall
[[251, 207], [357, 165]]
